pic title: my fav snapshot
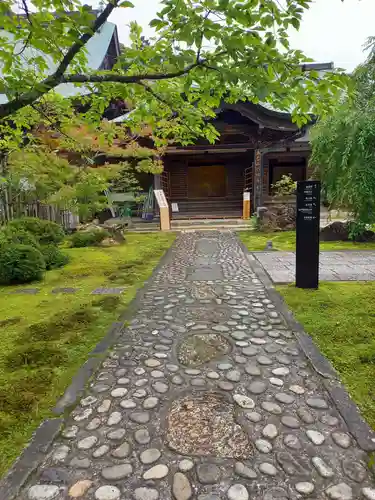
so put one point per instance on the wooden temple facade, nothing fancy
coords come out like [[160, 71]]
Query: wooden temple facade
[[256, 147]]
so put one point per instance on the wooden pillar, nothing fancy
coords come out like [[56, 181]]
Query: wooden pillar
[[165, 221], [258, 181]]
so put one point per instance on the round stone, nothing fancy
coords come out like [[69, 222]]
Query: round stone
[[160, 387], [264, 360], [270, 431], [117, 472], [70, 432], [305, 416], [304, 488], [244, 401], [104, 407], [242, 470], [257, 387], [185, 465], [89, 400], [322, 467], [43, 492], [258, 341], [140, 417], [140, 393], [142, 436], [281, 372], [319, 404], [192, 371], [150, 456], [114, 418], [119, 392], [152, 363], [157, 472], [252, 370], [233, 375], [329, 420], [198, 382], [150, 403], [282, 397], [87, 443], [80, 463], [341, 439], [340, 492], [208, 473], [238, 492], [213, 375], [177, 380], [276, 381], [250, 351], [94, 424], [101, 451], [122, 451], [226, 386], [181, 487], [240, 359], [263, 446], [116, 434], [238, 335], [297, 389], [292, 442], [268, 469], [139, 370], [60, 453], [368, 493], [146, 494], [128, 404], [273, 408], [123, 381], [79, 489], [253, 416], [224, 366], [315, 437], [157, 374], [107, 493], [83, 415]]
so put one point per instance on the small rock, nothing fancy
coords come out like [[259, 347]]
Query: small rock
[[80, 463], [281, 372], [114, 418], [340, 492], [233, 375], [254, 416], [226, 386], [270, 431], [70, 432], [276, 381], [305, 416], [224, 366], [157, 472], [177, 380], [122, 451], [140, 393], [252, 370], [315, 437], [244, 401], [329, 420], [297, 389], [104, 407], [94, 424], [79, 489], [263, 446], [146, 494], [292, 442], [60, 453], [208, 473], [142, 436], [152, 363], [181, 487], [150, 456], [317, 403], [368, 493], [341, 439], [220, 328], [273, 408], [213, 375], [268, 469], [117, 471], [185, 465], [238, 492], [244, 471], [291, 422], [250, 351], [117, 434], [304, 488], [264, 360], [150, 403], [87, 443], [257, 387], [127, 404], [119, 392], [43, 492], [282, 397], [160, 387], [107, 493], [140, 417], [322, 467]]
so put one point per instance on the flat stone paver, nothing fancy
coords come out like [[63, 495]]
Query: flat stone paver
[[248, 421], [345, 265]]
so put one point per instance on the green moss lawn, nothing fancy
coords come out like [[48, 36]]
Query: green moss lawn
[[45, 338], [256, 241], [340, 317]]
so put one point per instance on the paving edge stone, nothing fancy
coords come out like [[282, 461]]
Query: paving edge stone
[[30, 458], [358, 427]]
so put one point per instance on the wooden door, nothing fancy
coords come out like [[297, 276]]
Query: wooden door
[[207, 181]]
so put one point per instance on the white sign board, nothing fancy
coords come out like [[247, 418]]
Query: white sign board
[[174, 207], [246, 196], [160, 198]]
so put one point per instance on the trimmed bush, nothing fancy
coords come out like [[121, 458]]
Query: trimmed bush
[[20, 264], [45, 231], [89, 238], [10, 235], [53, 256]]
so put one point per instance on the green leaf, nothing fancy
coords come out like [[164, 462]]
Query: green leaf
[[126, 3]]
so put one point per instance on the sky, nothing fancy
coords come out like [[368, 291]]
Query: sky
[[331, 30]]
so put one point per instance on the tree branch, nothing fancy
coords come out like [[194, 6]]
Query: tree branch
[[56, 78]]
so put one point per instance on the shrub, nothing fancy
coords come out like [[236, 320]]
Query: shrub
[[89, 238], [53, 256], [20, 264], [45, 231], [11, 235]]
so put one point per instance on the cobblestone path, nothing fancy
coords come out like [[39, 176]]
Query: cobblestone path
[[207, 396]]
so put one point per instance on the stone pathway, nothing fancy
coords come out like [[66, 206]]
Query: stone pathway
[[344, 265], [206, 396]]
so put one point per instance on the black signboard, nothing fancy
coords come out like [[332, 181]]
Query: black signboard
[[307, 244]]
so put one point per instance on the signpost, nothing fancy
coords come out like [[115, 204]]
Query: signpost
[[307, 228], [165, 223]]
